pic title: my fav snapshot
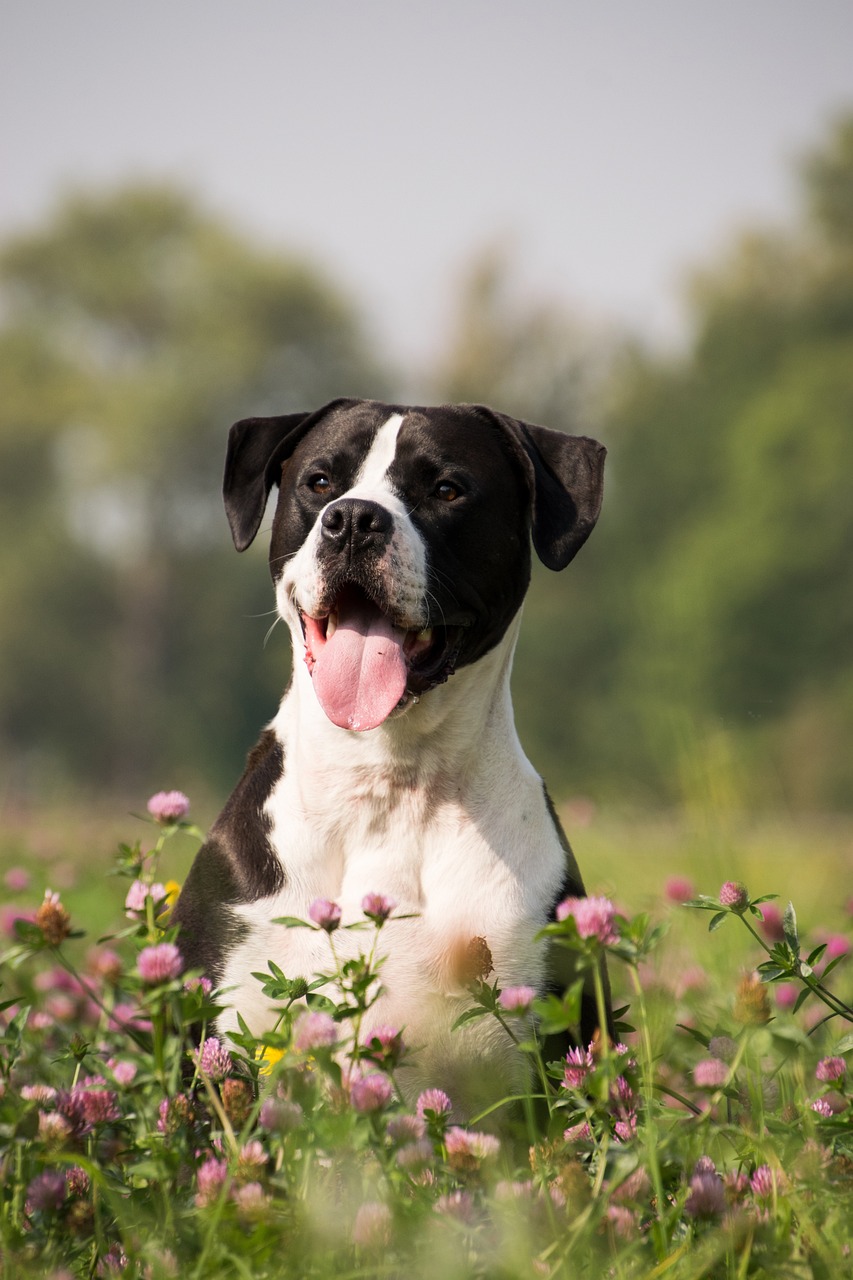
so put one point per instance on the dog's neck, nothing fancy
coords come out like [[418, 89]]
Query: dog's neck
[[448, 740]]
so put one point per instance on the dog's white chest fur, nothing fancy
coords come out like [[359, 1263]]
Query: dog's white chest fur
[[347, 819]]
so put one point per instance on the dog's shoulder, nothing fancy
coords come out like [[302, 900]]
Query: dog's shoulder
[[235, 865]]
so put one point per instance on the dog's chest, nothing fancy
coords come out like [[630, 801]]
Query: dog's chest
[[461, 870]]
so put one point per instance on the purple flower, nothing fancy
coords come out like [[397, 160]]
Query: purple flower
[[771, 922], [77, 1181], [516, 999], [160, 963], [415, 1156], [763, 1182], [46, 1191], [42, 1093], [594, 918], [377, 907], [456, 1204], [124, 1073], [138, 894], [325, 914], [314, 1030], [710, 1073], [278, 1115], [385, 1045], [786, 994], [99, 1105], [578, 1133], [822, 1107], [53, 1128], [372, 1226], [623, 1222], [466, 1149], [707, 1196], [579, 1063], [168, 806], [830, 1069], [251, 1202], [679, 889], [433, 1102], [404, 1128], [371, 1093], [210, 1178], [17, 879], [734, 894], [214, 1059]]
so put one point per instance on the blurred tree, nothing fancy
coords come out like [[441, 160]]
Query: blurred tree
[[736, 526], [709, 617], [135, 329]]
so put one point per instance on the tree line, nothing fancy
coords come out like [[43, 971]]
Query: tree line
[[703, 634]]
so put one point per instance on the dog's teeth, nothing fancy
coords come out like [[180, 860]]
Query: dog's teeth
[[425, 636], [331, 625]]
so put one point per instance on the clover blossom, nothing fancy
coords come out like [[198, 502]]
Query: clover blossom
[[325, 914], [214, 1060], [46, 1191], [763, 1182], [594, 918], [161, 962], [707, 1195], [734, 894], [710, 1073], [516, 999], [314, 1030], [830, 1069], [372, 1226], [433, 1103], [138, 895], [209, 1179], [371, 1093], [377, 907], [579, 1063], [167, 807]]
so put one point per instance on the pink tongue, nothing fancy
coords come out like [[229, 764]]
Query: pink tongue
[[360, 672]]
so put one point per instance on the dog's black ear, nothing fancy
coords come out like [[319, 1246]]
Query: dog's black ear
[[256, 449], [567, 476]]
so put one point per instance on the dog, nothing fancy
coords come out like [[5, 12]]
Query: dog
[[400, 555]]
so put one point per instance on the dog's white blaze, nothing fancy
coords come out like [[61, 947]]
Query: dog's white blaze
[[406, 559], [375, 467]]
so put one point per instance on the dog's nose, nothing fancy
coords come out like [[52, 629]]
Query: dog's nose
[[356, 522]]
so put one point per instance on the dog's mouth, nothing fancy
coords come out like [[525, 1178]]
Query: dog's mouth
[[365, 664]]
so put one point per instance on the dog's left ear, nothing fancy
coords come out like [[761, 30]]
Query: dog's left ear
[[256, 449], [567, 480]]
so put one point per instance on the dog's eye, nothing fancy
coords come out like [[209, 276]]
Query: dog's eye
[[447, 491], [319, 483]]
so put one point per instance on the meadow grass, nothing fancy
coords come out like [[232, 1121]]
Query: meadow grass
[[713, 1139]]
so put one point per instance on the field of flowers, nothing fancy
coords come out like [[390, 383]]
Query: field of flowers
[[713, 1138]]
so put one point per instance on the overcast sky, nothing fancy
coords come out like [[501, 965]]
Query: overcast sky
[[615, 142]]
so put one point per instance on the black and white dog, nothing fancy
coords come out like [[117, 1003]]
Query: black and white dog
[[400, 555]]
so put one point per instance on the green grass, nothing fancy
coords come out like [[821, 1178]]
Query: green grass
[[272, 1165]]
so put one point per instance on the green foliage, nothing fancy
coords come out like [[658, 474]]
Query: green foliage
[[711, 609], [721, 1147]]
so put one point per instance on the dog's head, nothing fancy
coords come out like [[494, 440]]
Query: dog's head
[[401, 540]]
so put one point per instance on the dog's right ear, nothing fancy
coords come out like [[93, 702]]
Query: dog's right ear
[[256, 449]]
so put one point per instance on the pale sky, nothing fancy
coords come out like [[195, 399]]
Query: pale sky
[[616, 143]]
